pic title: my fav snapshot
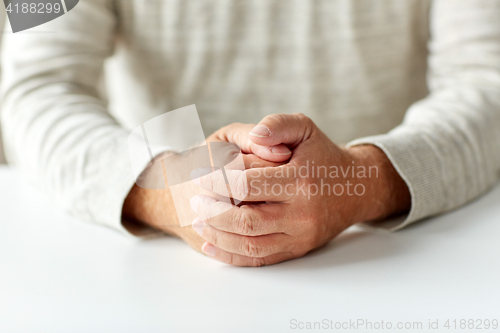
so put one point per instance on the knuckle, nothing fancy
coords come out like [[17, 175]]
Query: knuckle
[[214, 239], [250, 247], [302, 117], [233, 125], [308, 223], [279, 118], [307, 122], [317, 237], [244, 222], [311, 242], [242, 187], [307, 180], [229, 128], [258, 262], [208, 181], [210, 210]]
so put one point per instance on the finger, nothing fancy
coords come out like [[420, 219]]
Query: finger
[[239, 135], [207, 207], [288, 129], [275, 153], [239, 260], [259, 184], [248, 220], [249, 246], [224, 181], [252, 161], [229, 156]]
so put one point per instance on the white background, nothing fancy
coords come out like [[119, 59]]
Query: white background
[[2, 21]]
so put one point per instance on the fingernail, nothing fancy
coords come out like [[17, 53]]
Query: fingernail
[[198, 226], [194, 203], [260, 131], [280, 150], [208, 249]]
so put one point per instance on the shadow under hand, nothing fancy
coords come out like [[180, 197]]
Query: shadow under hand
[[358, 244], [353, 246]]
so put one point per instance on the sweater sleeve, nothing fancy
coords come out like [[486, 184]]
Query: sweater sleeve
[[448, 147], [57, 129]]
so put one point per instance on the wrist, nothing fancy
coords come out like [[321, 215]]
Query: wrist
[[150, 207], [386, 192]]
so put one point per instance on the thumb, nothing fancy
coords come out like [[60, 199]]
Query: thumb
[[238, 134], [288, 129]]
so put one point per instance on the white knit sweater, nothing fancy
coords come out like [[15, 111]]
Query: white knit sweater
[[418, 78]]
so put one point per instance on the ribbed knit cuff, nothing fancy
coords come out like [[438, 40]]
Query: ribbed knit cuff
[[107, 197], [418, 165]]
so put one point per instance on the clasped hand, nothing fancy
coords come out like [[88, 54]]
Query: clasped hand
[[289, 209]]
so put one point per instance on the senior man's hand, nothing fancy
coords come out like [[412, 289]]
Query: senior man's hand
[[301, 205], [155, 207]]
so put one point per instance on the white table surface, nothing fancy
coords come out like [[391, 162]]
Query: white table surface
[[58, 274]]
